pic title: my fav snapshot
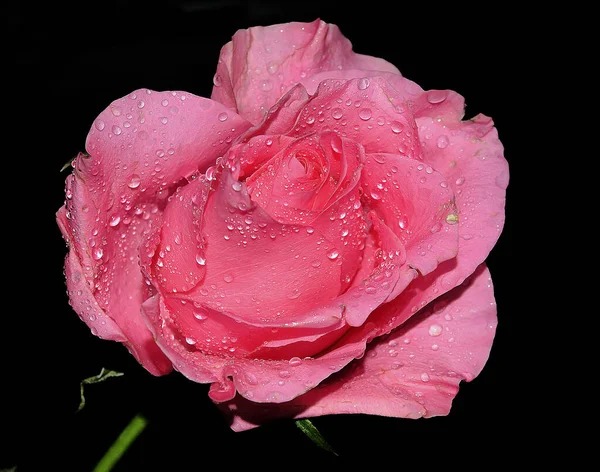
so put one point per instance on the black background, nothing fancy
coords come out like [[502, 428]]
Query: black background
[[68, 64]]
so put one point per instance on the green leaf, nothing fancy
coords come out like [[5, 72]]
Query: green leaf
[[101, 377], [70, 161], [315, 436], [122, 443]]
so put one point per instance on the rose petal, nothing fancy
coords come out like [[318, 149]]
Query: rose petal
[[307, 177], [282, 116], [417, 203], [262, 63], [214, 333], [405, 90], [414, 372], [470, 156], [261, 380], [180, 257], [367, 115], [259, 271], [139, 148]]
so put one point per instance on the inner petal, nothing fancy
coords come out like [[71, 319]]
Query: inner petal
[[264, 272]]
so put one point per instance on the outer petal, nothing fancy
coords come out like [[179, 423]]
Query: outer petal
[[412, 373], [262, 63], [417, 203], [139, 148], [272, 381]]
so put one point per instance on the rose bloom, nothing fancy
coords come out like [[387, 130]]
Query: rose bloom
[[310, 240]]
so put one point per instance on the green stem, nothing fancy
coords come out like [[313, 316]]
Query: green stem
[[120, 446]]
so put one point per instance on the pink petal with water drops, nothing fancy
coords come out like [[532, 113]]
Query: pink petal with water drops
[[179, 260], [470, 156], [139, 148], [262, 63], [417, 203], [105, 256], [307, 177], [260, 380], [82, 299], [282, 116], [388, 270], [363, 111], [214, 333], [405, 90], [414, 372], [244, 159], [279, 272]]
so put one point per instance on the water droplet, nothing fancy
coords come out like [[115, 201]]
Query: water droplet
[[236, 186], [365, 114], [217, 80], [337, 113], [223, 116], [141, 104], [97, 253], [273, 67], [99, 124], [333, 254], [200, 260], [310, 230], [380, 158], [436, 96], [375, 195], [434, 347], [403, 222], [251, 378], [284, 374], [425, 377], [316, 263], [442, 141], [466, 237], [266, 85], [396, 127], [190, 341], [436, 227], [363, 83], [310, 119], [134, 181], [435, 330], [228, 278], [460, 181], [295, 361], [114, 220], [115, 110], [164, 120]]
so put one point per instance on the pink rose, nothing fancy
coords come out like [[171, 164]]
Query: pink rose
[[309, 241]]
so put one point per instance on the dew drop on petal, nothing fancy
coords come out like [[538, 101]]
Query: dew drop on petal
[[365, 114], [442, 141], [435, 330], [222, 116], [363, 83], [200, 260]]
